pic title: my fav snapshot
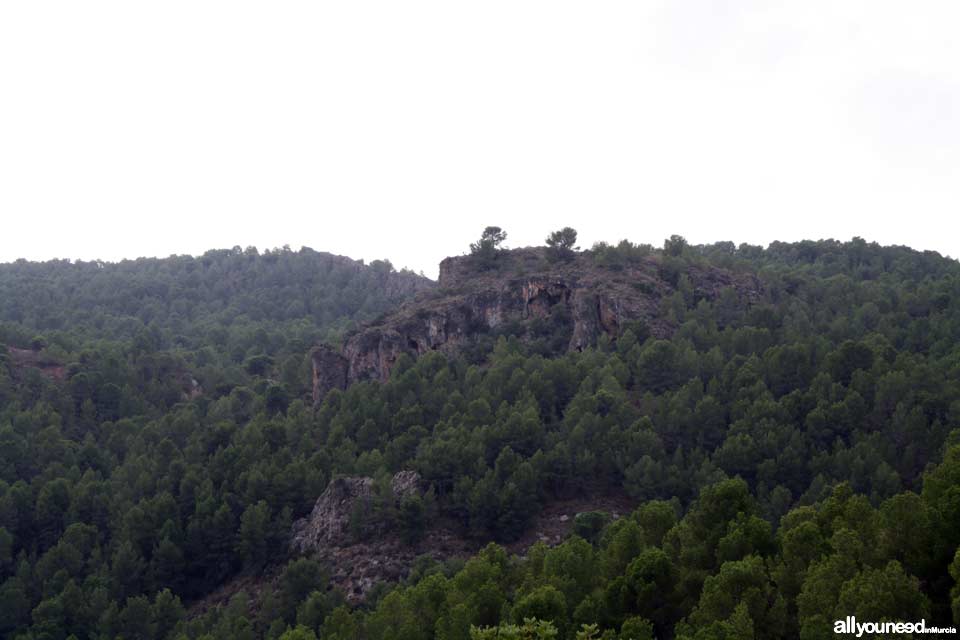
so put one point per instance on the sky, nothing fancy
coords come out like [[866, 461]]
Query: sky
[[400, 130]]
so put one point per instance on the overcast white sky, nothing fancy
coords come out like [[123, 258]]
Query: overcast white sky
[[401, 129]]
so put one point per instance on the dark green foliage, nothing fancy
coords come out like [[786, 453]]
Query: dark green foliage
[[823, 566], [589, 524], [619, 256], [486, 248], [412, 519], [561, 245], [544, 603], [796, 455], [675, 246], [301, 578], [224, 300]]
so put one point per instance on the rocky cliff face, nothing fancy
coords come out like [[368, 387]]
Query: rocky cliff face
[[403, 285], [522, 288]]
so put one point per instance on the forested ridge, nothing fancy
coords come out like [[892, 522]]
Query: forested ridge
[[190, 302], [795, 460]]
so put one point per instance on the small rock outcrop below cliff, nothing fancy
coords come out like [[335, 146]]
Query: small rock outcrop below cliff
[[328, 524], [356, 566], [578, 299]]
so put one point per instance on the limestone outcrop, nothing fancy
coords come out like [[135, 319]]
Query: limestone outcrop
[[328, 524], [522, 288]]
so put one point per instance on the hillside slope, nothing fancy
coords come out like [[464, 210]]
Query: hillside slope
[[181, 296], [785, 418], [526, 295]]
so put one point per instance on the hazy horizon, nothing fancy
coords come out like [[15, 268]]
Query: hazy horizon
[[432, 274], [384, 130]]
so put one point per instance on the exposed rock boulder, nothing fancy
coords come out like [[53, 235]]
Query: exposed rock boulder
[[26, 359], [406, 483], [523, 288], [328, 524], [357, 566]]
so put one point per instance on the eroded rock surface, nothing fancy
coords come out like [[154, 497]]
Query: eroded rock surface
[[524, 287], [328, 524], [355, 567], [24, 359]]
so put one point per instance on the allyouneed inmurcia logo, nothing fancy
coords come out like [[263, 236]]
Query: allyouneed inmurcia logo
[[850, 626]]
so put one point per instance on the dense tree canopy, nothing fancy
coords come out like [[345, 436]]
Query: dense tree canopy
[[486, 248], [793, 461], [561, 244]]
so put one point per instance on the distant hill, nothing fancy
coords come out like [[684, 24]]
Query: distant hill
[[182, 299]]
